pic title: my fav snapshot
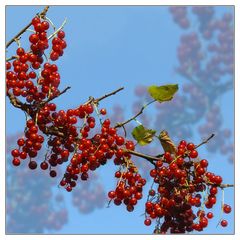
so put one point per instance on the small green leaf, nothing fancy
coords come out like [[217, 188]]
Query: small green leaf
[[163, 93], [143, 135]]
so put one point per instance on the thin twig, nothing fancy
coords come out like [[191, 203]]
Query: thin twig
[[42, 15], [135, 116], [205, 141], [97, 100], [53, 97], [149, 158], [11, 58]]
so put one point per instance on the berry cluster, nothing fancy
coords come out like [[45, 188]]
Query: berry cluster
[[94, 149], [23, 80], [181, 179], [129, 187], [29, 146]]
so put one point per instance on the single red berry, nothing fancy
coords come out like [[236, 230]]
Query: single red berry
[[20, 51], [210, 215], [32, 165], [193, 154], [190, 146], [61, 34], [35, 20], [16, 162], [147, 222], [44, 165], [103, 111], [226, 208], [53, 173], [33, 38], [111, 194], [224, 223], [204, 163], [15, 152]]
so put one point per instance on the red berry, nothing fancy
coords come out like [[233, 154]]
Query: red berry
[[204, 163], [16, 162], [44, 165], [33, 38], [61, 34], [226, 208], [103, 111], [224, 223], [190, 146], [53, 173], [15, 153], [147, 222], [54, 56], [32, 165], [210, 215], [35, 20], [193, 154]]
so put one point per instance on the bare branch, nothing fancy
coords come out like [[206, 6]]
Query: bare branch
[[97, 100], [135, 116], [42, 15], [205, 141], [226, 185], [149, 158], [53, 97]]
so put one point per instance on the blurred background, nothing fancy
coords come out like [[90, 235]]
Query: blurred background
[[134, 47]]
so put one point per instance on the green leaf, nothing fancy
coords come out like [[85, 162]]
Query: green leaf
[[143, 135], [163, 93]]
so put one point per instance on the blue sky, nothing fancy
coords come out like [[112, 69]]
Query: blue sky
[[110, 47]]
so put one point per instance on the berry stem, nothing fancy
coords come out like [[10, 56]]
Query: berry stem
[[60, 28]]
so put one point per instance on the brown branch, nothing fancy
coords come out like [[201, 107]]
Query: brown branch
[[53, 97], [135, 116], [97, 100], [42, 15], [213, 184], [17, 103], [226, 185], [149, 158], [205, 141], [11, 58]]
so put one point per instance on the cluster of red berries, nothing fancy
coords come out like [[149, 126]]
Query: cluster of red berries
[[20, 80], [94, 149], [129, 188], [180, 179], [28, 146]]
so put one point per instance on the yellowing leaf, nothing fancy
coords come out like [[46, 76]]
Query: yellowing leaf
[[143, 135], [163, 93]]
